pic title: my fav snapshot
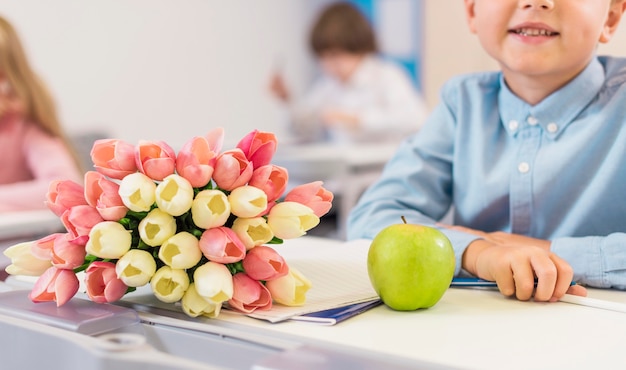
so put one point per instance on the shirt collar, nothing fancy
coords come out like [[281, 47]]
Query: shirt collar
[[558, 110]]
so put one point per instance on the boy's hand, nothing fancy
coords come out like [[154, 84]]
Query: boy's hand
[[514, 262]]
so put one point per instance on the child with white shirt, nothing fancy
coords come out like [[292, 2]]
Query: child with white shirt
[[360, 96], [531, 158]]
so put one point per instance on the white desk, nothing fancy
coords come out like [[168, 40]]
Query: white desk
[[478, 329], [28, 224], [467, 329]]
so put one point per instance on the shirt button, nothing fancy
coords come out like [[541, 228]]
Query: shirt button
[[552, 127], [532, 121], [523, 167], [513, 125]]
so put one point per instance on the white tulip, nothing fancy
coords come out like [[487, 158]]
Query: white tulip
[[174, 195], [195, 305], [135, 268], [252, 231], [169, 285], [23, 262], [157, 227], [247, 201], [210, 209], [214, 282], [138, 192], [108, 239], [290, 289], [181, 251], [290, 220]]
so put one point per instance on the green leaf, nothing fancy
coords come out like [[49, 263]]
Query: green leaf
[[235, 267], [275, 240]]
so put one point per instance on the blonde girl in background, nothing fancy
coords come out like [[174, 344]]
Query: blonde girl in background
[[33, 148]]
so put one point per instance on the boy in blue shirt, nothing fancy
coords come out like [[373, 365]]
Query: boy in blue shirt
[[532, 158]]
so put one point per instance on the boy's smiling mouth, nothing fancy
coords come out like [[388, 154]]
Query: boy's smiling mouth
[[533, 29], [533, 32]]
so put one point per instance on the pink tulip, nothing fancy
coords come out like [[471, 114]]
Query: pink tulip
[[67, 255], [249, 295], [264, 263], [79, 220], [155, 159], [271, 179], [103, 194], [259, 147], [312, 195], [42, 248], [221, 244], [232, 169], [63, 195], [58, 249], [113, 158], [196, 160], [55, 284], [102, 283]]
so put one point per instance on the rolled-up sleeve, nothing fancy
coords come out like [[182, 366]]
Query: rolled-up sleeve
[[597, 261]]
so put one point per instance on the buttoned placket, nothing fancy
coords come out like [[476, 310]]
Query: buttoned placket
[[521, 195]]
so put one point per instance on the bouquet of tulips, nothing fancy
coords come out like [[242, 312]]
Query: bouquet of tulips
[[195, 226]]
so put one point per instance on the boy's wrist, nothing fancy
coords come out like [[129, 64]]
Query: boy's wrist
[[470, 256]]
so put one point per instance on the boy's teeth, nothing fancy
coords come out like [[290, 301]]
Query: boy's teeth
[[533, 32]]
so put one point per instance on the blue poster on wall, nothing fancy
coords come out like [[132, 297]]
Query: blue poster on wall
[[399, 29]]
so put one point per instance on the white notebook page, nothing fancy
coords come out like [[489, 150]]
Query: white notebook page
[[337, 271]]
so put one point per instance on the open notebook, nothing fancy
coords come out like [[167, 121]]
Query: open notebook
[[337, 271]]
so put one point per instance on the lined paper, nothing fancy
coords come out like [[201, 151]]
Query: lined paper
[[337, 271]]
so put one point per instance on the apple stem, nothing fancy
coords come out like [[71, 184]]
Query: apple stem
[[403, 219]]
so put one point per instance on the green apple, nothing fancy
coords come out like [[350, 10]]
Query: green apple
[[410, 266]]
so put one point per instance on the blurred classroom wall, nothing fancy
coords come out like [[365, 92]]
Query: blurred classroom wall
[[163, 69], [169, 70]]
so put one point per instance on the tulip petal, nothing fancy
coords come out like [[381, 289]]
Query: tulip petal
[[249, 295], [113, 158], [55, 285], [222, 245], [102, 283], [264, 263]]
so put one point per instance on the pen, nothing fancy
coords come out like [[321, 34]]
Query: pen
[[593, 302], [458, 282], [567, 298], [477, 282]]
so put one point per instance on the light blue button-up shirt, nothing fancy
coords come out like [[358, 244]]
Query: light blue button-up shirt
[[555, 170]]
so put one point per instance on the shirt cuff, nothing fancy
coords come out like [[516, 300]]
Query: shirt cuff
[[598, 262], [459, 241]]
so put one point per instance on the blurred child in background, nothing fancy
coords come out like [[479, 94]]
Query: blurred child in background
[[360, 96], [33, 148]]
